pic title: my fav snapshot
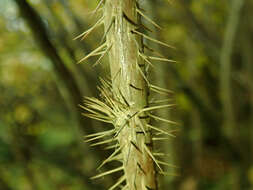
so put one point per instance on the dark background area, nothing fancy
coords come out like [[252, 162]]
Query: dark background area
[[41, 86]]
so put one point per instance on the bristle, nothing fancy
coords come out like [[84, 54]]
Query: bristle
[[109, 158], [160, 90], [95, 138], [162, 59], [142, 74], [97, 118], [160, 130], [98, 7], [153, 158], [111, 147], [103, 142], [166, 164], [87, 32], [93, 52], [108, 172], [121, 180], [156, 107], [145, 58], [162, 119], [160, 154], [108, 29], [159, 139], [100, 133], [153, 40], [152, 50], [159, 101], [148, 19], [105, 52]]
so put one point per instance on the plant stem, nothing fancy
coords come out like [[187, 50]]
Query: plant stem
[[130, 86]]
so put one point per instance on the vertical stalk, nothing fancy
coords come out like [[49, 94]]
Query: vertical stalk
[[129, 85], [125, 99]]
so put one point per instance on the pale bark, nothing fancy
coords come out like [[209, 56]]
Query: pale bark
[[129, 85]]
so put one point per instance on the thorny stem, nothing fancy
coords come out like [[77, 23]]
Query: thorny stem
[[130, 86], [125, 97]]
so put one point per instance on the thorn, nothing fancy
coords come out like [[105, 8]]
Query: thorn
[[108, 172], [108, 29], [160, 90], [160, 154], [87, 109], [99, 106], [159, 139], [156, 107], [97, 8], [162, 59], [109, 158], [120, 129], [162, 119], [103, 142], [166, 164], [148, 19], [99, 53], [144, 57], [145, 27], [153, 158], [97, 118], [152, 39], [87, 32], [100, 133], [105, 82], [95, 138], [105, 52], [111, 146], [99, 110], [159, 101], [92, 53], [152, 50], [123, 178], [142, 74], [160, 130]]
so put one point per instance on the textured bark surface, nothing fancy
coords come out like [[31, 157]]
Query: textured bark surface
[[129, 86], [125, 97]]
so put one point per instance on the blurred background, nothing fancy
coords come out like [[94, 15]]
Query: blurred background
[[41, 126]]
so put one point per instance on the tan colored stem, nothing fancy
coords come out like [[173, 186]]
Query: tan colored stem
[[130, 87]]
